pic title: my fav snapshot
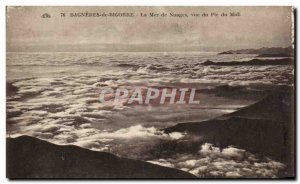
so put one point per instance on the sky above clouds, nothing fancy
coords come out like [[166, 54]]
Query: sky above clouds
[[256, 27]]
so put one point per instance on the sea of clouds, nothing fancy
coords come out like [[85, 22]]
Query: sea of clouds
[[57, 99]]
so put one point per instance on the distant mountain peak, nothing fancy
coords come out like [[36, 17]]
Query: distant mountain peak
[[267, 51]]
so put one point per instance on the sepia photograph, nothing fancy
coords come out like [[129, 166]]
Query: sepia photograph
[[150, 92]]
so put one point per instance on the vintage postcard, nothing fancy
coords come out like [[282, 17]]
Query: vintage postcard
[[150, 92]]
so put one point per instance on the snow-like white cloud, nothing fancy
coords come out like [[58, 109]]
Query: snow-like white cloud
[[230, 162]]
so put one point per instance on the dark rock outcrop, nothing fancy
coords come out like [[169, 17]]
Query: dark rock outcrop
[[265, 128], [29, 157]]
